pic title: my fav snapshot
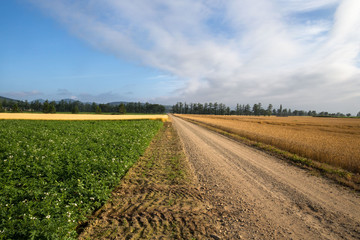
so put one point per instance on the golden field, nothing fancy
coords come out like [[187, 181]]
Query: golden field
[[41, 116], [335, 141]]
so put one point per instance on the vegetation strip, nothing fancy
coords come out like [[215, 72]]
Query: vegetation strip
[[156, 199], [341, 176], [54, 173]]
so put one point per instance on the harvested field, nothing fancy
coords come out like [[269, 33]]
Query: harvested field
[[41, 116], [334, 141]]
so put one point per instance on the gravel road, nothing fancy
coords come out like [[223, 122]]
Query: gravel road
[[262, 197]]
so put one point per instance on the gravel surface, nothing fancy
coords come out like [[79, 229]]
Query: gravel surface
[[261, 197]]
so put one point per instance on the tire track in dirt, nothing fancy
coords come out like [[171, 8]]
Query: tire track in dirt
[[157, 199], [262, 197]]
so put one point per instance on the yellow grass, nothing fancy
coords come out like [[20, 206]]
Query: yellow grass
[[335, 141], [40, 116]]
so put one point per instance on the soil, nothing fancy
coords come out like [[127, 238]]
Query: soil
[[259, 196], [157, 199]]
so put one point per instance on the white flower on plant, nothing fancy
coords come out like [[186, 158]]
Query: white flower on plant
[[48, 216]]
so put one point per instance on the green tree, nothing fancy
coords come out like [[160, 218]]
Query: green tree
[[97, 109], [280, 110], [247, 109], [1, 108], [5, 104], [46, 107], [52, 108], [75, 109], [269, 109], [15, 108], [122, 109], [94, 107], [358, 115], [256, 109]]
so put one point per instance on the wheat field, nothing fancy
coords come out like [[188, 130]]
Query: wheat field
[[41, 116], [335, 141]]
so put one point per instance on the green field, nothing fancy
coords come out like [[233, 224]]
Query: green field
[[55, 173]]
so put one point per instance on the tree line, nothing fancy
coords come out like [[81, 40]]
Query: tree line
[[77, 106], [245, 109]]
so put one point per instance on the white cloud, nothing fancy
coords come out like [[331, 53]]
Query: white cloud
[[231, 51], [24, 95], [305, 5]]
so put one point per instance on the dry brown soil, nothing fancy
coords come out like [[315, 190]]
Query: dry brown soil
[[157, 199], [261, 197]]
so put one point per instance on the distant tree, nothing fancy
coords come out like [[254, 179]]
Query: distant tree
[[1, 108], [210, 111], [269, 110], [227, 111], [97, 110], [15, 108], [237, 111], [358, 115], [36, 106], [348, 115], [26, 105], [52, 108], [247, 109], [122, 109], [312, 113], [280, 110], [75, 109], [46, 107], [94, 107], [5, 104], [256, 109], [216, 105]]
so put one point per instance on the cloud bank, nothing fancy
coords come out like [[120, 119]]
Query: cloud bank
[[301, 53]]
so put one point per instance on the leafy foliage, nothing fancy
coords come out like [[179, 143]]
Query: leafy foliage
[[55, 173]]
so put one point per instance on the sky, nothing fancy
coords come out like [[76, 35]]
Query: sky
[[303, 54]]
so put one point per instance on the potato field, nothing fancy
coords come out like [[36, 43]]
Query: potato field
[[55, 173]]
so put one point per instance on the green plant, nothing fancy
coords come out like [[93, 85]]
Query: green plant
[[55, 173]]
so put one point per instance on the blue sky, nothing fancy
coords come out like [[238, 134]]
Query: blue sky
[[40, 58], [302, 54]]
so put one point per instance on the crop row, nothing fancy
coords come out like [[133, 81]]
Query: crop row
[[55, 173]]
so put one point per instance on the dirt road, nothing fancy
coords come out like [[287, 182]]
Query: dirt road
[[262, 197]]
